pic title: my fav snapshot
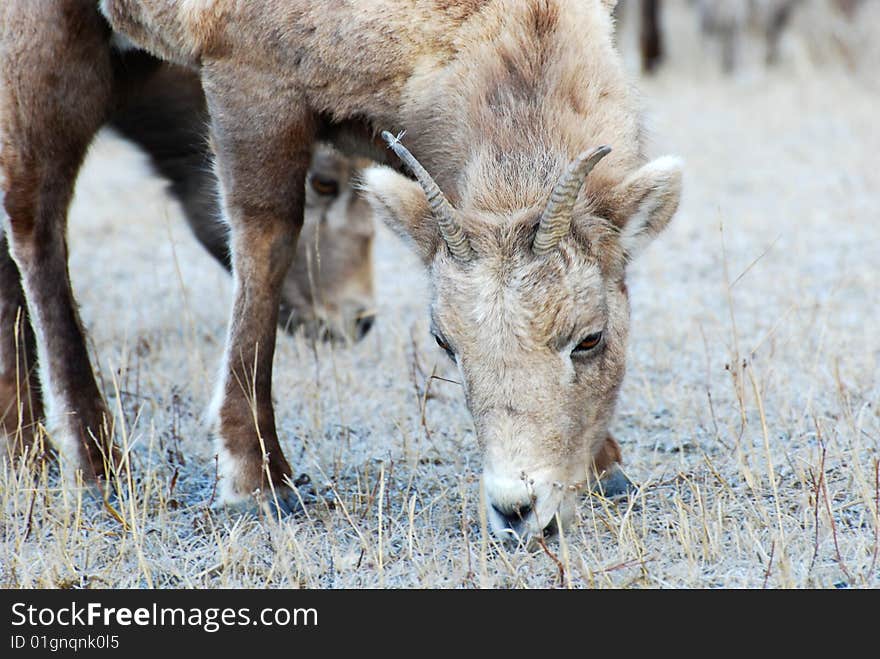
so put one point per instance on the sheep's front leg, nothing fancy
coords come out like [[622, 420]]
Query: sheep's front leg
[[262, 140]]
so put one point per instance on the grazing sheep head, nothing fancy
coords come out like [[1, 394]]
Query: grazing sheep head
[[532, 308], [329, 288]]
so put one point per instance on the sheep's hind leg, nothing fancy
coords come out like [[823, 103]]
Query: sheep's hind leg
[[21, 404], [45, 131]]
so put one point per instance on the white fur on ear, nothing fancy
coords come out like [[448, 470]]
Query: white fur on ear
[[649, 198], [121, 42], [401, 204], [102, 7]]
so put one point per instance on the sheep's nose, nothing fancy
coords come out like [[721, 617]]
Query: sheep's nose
[[514, 519], [363, 326], [514, 515]]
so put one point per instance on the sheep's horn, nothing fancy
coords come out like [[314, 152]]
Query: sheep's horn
[[453, 234], [556, 219]]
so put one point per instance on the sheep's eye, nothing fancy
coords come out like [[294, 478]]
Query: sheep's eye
[[445, 347], [324, 186], [589, 343]]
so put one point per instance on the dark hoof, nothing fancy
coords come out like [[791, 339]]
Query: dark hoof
[[100, 491], [286, 502], [280, 501], [615, 484], [101, 495]]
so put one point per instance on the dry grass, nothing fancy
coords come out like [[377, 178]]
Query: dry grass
[[749, 413]]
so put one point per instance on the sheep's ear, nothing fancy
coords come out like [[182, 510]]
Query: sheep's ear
[[401, 204], [646, 201]]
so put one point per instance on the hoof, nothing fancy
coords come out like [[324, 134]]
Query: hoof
[[282, 501], [615, 484], [99, 495], [285, 502]]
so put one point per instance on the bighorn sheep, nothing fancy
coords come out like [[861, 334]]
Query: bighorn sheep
[[524, 218], [163, 111], [728, 22]]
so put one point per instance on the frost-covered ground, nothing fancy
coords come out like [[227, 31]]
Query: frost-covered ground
[[749, 413]]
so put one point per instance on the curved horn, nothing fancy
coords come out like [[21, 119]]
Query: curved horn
[[453, 234], [556, 219]]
